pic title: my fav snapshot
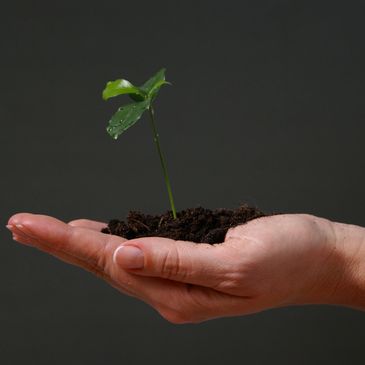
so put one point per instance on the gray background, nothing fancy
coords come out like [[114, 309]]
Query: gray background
[[266, 107]]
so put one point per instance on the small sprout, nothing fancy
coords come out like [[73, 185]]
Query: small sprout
[[129, 114]]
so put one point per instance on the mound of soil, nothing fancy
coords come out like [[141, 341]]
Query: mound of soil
[[198, 225]]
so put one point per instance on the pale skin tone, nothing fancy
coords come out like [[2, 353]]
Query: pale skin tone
[[283, 260]]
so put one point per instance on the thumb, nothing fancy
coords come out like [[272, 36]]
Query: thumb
[[187, 262]]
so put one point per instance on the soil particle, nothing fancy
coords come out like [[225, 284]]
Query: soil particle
[[197, 225]]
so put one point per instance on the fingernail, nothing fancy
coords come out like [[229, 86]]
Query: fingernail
[[15, 237], [24, 230], [129, 257], [9, 227], [18, 238]]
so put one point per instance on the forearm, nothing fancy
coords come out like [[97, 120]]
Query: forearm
[[348, 266]]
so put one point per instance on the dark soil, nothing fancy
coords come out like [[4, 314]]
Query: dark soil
[[198, 225]]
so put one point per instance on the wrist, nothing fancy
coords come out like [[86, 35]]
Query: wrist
[[347, 268]]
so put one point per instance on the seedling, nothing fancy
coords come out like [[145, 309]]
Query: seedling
[[129, 114], [198, 225]]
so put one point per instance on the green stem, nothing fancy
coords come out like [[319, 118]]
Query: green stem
[[162, 160]]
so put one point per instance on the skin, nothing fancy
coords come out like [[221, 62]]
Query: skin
[[276, 261]]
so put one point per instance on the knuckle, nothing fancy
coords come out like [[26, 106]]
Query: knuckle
[[77, 222], [232, 281], [104, 254], [238, 276], [97, 256], [171, 266]]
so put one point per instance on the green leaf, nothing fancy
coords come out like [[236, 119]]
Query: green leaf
[[120, 87], [153, 85], [138, 97], [125, 117]]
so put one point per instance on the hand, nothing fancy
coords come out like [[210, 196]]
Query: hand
[[269, 262]]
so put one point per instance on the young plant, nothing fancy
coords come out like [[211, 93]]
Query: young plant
[[127, 115]]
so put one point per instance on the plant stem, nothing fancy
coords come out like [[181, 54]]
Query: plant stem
[[162, 160]]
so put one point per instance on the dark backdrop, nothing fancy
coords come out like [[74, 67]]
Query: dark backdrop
[[266, 107]]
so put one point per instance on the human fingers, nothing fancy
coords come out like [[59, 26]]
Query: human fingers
[[56, 237], [82, 247], [44, 246]]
